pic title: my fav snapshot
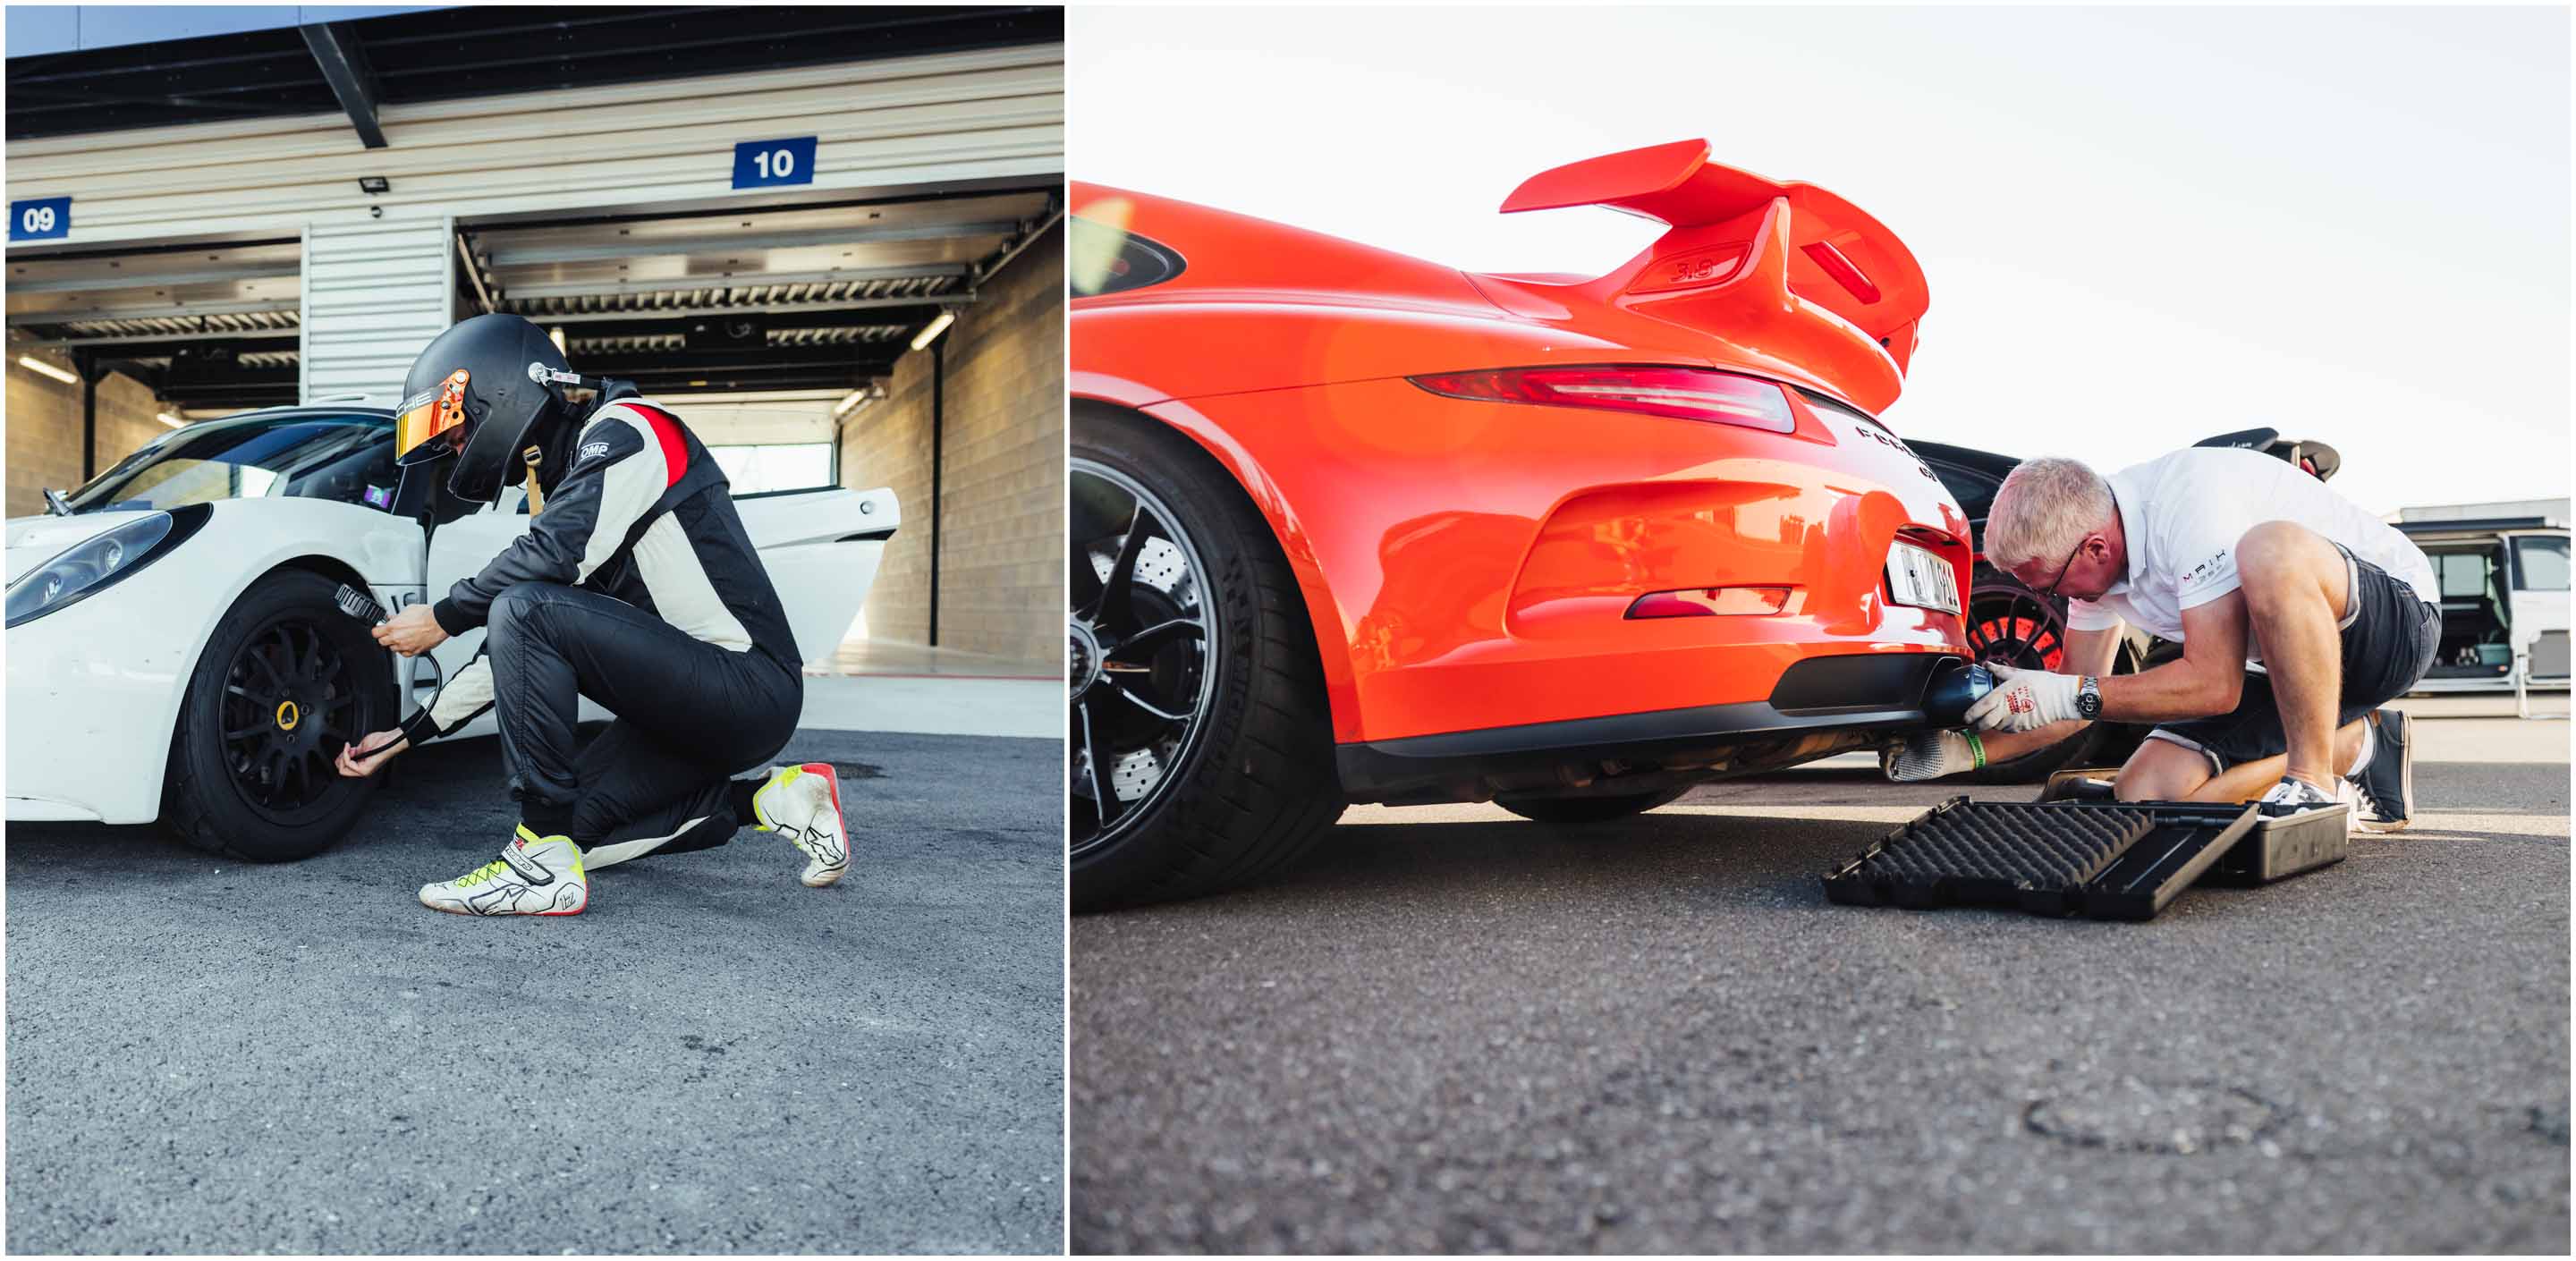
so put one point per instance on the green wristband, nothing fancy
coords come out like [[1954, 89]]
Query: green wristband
[[1976, 749]]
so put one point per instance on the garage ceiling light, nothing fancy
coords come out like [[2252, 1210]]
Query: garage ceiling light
[[556, 336], [850, 402], [42, 368], [933, 329], [170, 420]]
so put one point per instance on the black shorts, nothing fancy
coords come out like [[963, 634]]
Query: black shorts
[[2389, 635]]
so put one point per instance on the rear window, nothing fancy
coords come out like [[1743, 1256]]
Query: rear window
[[1105, 258], [2540, 563]]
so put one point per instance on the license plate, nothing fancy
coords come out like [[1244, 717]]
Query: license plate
[[1920, 578]]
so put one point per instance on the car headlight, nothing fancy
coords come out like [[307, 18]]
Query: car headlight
[[100, 561]]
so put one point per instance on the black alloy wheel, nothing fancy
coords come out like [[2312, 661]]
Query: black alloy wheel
[[290, 703], [284, 681], [1143, 651], [2010, 624], [1202, 739]]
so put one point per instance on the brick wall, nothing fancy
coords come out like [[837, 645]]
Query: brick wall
[[44, 430], [1002, 527]]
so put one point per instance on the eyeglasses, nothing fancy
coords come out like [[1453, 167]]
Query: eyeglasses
[[2050, 592]]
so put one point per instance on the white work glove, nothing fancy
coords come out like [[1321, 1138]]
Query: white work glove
[[2026, 700], [1928, 755]]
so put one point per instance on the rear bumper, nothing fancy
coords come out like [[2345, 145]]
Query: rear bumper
[[1820, 707]]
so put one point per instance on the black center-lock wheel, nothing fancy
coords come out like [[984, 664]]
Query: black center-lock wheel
[[1141, 658], [284, 681], [1202, 742], [289, 702], [2010, 624]]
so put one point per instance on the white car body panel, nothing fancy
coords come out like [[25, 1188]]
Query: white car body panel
[[95, 687]]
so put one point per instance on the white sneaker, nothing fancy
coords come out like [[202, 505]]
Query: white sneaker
[[2294, 796], [535, 875], [804, 802]]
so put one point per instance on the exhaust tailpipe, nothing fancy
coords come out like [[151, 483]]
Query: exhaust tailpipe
[[1955, 685]]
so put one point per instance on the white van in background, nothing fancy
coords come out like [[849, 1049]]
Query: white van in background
[[2504, 597]]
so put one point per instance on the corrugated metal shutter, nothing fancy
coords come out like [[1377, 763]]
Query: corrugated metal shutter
[[375, 292], [990, 114]]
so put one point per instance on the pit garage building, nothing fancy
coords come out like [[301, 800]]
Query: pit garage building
[[830, 237]]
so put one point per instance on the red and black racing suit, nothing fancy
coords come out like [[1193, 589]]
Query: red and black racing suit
[[637, 587]]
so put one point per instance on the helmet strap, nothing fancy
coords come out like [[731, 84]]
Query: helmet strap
[[534, 456]]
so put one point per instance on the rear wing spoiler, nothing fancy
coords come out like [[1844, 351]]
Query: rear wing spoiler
[[2315, 458], [1784, 267]]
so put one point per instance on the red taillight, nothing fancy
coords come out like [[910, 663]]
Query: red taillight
[[1713, 602], [1681, 393]]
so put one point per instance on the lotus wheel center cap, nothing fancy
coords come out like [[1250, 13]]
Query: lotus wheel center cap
[[1086, 659], [288, 715]]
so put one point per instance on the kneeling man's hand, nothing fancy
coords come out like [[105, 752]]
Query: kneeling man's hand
[[411, 632], [2026, 700], [1930, 755]]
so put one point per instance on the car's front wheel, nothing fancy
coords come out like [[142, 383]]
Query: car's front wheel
[[283, 682], [1202, 746]]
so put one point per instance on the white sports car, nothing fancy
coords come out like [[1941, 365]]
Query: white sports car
[[175, 651]]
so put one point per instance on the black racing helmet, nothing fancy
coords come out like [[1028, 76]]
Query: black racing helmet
[[475, 393]]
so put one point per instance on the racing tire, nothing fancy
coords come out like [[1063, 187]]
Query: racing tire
[[248, 778], [1575, 810], [1250, 785], [2009, 623]]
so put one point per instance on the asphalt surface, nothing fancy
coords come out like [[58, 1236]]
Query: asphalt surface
[[208, 1057], [1451, 1030]]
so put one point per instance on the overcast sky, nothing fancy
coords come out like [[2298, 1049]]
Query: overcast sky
[[2141, 226]]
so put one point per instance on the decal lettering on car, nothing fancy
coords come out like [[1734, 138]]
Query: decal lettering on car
[[1896, 446]]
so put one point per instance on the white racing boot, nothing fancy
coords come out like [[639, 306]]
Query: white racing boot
[[535, 875], [804, 803]]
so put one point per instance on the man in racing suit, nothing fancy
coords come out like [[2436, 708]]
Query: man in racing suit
[[636, 586]]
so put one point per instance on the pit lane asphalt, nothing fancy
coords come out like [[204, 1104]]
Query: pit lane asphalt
[[1452, 1030], [208, 1057]]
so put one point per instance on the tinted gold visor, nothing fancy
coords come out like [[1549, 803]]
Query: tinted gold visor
[[433, 417]]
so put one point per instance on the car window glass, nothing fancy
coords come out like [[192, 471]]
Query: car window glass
[[2542, 562], [2463, 574], [349, 459]]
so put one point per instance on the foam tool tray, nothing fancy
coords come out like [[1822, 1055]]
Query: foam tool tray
[[2096, 859]]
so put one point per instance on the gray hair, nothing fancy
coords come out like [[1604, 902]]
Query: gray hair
[[2044, 509]]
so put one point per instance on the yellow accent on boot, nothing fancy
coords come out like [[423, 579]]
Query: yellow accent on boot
[[779, 778]]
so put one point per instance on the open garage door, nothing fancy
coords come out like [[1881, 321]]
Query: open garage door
[[781, 301], [214, 326]]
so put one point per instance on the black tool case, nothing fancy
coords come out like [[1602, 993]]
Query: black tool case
[[2101, 860], [2281, 845]]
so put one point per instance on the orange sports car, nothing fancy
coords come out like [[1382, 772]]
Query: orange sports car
[[1351, 526]]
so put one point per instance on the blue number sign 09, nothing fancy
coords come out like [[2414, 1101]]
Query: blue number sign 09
[[763, 163], [43, 219]]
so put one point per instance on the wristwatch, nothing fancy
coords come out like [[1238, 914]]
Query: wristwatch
[[2088, 698]]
